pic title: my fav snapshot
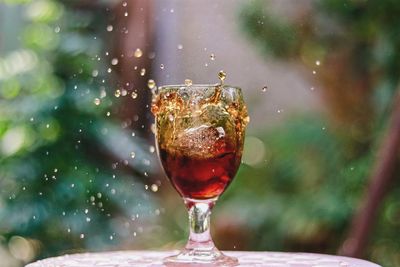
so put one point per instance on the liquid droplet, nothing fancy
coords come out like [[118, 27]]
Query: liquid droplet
[[180, 47], [110, 28], [82, 236], [114, 61], [264, 89], [142, 72], [152, 149], [151, 84], [126, 14], [134, 95], [222, 76], [97, 101], [162, 66], [117, 93], [154, 187], [212, 56], [108, 114], [188, 82], [133, 155], [124, 92], [138, 53], [317, 62]]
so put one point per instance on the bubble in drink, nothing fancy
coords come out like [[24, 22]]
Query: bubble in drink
[[151, 84], [188, 82], [138, 53]]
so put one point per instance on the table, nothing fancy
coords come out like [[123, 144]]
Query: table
[[154, 259]]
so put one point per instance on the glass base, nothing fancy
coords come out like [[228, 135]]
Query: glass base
[[198, 257]]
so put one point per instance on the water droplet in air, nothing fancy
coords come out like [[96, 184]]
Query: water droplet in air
[[109, 70], [317, 63], [142, 72], [113, 191], [87, 219], [133, 155], [108, 114], [154, 187], [152, 149], [110, 28], [314, 72], [180, 46], [162, 66], [212, 56], [114, 61], [103, 93], [188, 82], [124, 92], [97, 101], [126, 14], [134, 95], [222, 76], [82, 236], [117, 93], [264, 89], [124, 4], [151, 84], [138, 52]]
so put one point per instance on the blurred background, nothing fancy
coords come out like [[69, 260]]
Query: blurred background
[[78, 167]]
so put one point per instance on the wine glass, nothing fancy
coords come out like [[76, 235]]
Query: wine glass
[[200, 133]]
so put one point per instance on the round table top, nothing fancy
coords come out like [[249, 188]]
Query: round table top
[[154, 259]]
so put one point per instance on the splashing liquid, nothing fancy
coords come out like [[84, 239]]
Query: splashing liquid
[[200, 133]]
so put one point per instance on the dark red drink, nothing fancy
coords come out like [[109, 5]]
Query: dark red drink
[[200, 177]]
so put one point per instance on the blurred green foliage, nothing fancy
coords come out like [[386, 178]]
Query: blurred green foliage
[[312, 182], [64, 183]]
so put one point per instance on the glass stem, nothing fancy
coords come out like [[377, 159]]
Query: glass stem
[[199, 223]]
